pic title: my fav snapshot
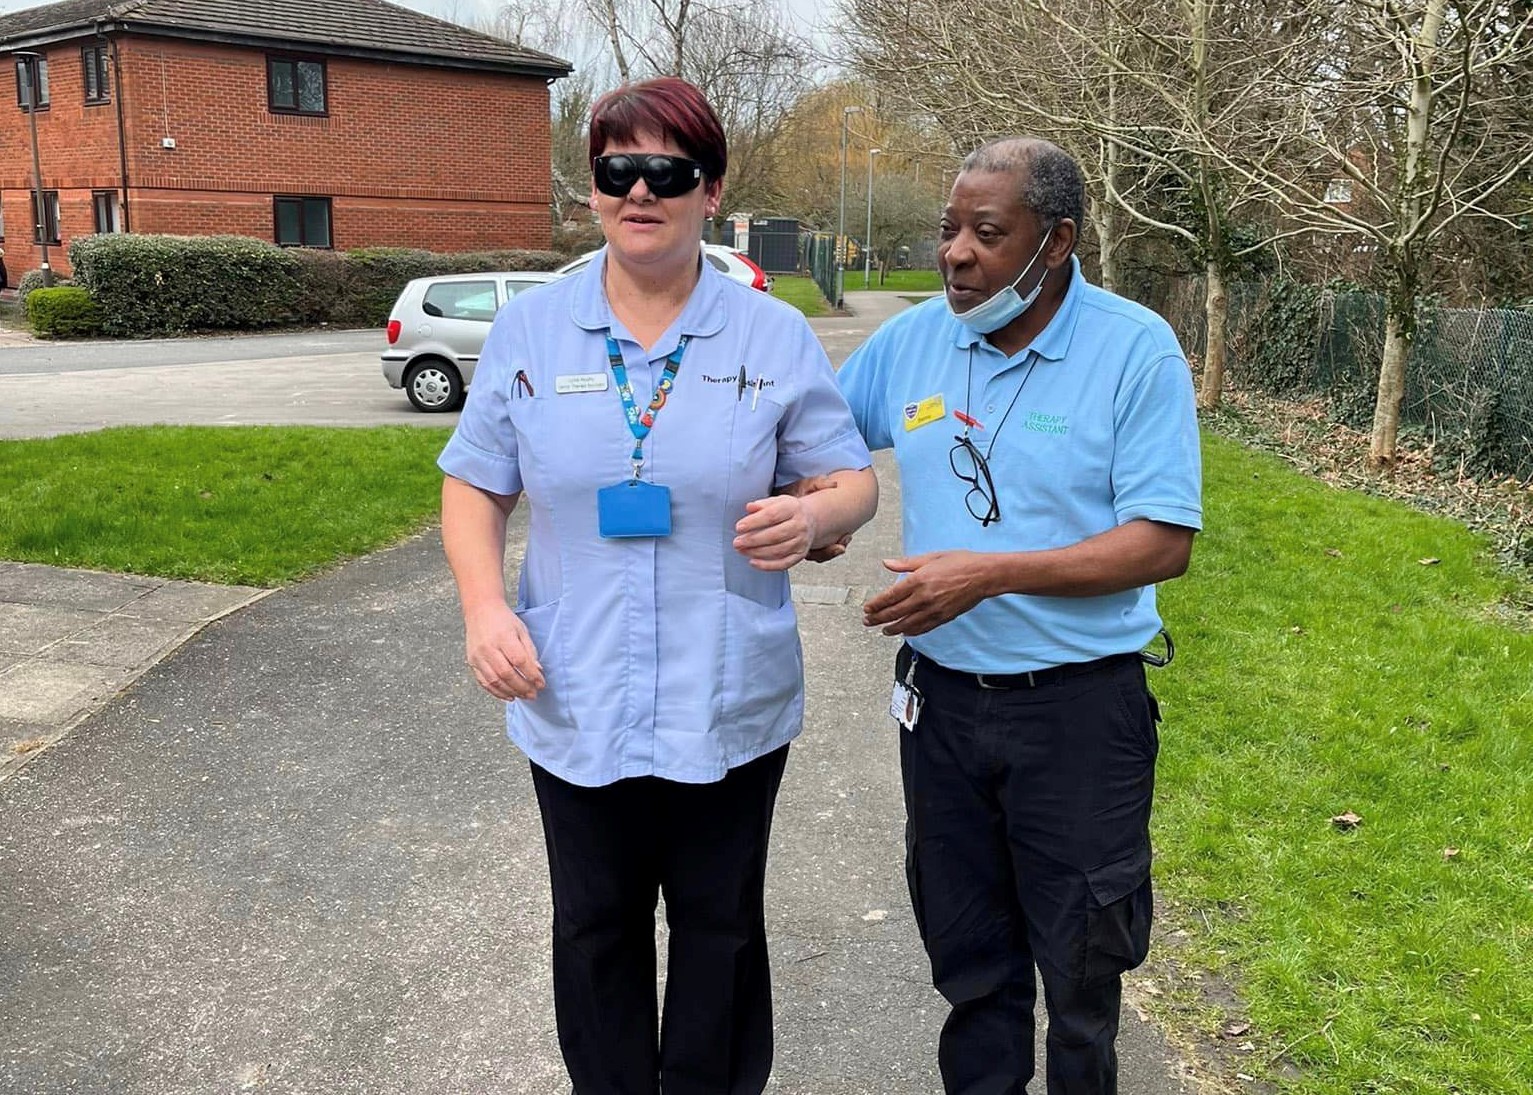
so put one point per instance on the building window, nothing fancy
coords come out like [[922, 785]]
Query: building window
[[108, 210], [303, 222], [49, 222], [295, 87], [98, 87], [24, 83]]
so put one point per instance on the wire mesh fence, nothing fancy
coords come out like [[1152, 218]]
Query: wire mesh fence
[[1469, 375], [819, 258]]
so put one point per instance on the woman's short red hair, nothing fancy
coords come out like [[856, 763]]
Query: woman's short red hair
[[667, 106]]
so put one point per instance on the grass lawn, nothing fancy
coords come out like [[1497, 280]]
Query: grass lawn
[[1336, 653], [898, 281], [246, 505], [1342, 653], [801, 292]]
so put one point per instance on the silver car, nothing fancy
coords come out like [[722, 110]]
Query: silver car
[[437, 329]]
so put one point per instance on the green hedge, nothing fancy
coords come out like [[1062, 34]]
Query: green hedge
[[33, 279], [358, 288], [163, 285], [157, 285], [66, 311]]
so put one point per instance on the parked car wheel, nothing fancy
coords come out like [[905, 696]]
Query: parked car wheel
[[434, 385]]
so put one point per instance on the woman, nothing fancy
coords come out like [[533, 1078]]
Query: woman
[[657, 417]]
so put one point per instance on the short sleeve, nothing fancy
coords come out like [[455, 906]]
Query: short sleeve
[[482, 450], [864, 386], [816, 434], [1157, 469]]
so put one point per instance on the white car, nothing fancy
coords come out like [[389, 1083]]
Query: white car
[[726, 260], [437, 329]]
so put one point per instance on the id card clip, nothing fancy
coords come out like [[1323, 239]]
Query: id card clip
[[906, 700]]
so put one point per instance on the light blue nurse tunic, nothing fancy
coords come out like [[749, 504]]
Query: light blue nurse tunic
[[668, 657]]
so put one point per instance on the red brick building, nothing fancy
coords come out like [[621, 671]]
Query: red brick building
[[324, 123]]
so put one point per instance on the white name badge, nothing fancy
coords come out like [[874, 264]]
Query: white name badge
[[580, 382], [905, 705]]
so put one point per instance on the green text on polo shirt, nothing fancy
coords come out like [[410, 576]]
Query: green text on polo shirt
[[1047, 423]]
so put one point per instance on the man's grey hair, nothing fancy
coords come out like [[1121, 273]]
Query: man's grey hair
[[1051, 183]]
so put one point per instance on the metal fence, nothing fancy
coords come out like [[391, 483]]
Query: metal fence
[[1469, 376], [818, 256]]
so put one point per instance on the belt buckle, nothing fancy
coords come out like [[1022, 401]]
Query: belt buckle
[[979, 679]]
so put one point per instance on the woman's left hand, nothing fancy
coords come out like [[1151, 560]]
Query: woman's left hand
[[775, 532]]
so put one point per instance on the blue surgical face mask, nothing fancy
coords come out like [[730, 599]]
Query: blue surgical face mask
[[991, 315]]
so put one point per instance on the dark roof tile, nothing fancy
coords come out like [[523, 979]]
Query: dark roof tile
[[366, 25]]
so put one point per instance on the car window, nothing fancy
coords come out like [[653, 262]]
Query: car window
[[519, 285], [718, 264], [460, 300]]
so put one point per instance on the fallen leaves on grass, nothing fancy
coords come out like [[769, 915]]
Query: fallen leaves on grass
[[1347, 822], [1236, 1030], [1450, 853]]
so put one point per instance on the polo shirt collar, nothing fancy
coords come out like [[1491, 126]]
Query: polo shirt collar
[[703, 315], [1053, 342]]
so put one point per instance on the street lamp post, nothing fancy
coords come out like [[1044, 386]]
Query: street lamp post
[[846, 114], [39, 206], [867, 240]]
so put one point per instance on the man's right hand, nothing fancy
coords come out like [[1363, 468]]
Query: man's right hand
[[502, 655]]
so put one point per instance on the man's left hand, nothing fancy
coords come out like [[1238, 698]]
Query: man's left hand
[[942, 585]]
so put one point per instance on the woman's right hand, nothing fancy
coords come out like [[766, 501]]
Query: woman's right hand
[[501, 654]]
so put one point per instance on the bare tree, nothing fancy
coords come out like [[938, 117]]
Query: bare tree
[[1420, 119], [1117, 88], [903, 211]]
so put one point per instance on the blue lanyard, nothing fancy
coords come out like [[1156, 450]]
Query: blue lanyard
[[641, 423]]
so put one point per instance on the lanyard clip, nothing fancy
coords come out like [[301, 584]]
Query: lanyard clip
[[638, 465]]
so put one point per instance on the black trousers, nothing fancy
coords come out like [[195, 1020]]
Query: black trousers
[[611, 851], [1028, 846]]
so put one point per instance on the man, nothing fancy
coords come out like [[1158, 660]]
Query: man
[[1048, 451]]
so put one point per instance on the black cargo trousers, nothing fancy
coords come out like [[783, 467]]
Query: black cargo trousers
[[1027, 804]]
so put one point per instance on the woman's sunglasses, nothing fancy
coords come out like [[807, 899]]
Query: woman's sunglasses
[[666, 176]]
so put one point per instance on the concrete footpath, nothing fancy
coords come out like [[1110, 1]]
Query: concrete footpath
[[298, 855]]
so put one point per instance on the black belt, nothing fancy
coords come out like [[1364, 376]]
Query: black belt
[[1037, 678]]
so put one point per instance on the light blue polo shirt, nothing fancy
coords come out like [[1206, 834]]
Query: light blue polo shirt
[[667, 657], [1102, 430]]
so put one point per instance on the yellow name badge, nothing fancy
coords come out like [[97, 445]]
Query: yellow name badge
[[927, 411]]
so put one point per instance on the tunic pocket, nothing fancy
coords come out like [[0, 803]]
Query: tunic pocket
[[763, 666], [552, 705]]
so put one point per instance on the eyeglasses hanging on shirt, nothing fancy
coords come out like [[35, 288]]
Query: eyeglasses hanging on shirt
[[972, 466]]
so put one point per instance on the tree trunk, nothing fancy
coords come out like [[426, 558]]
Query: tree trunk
[[1403, 254], [1216, 309], [1106, 223], [1386, 409]]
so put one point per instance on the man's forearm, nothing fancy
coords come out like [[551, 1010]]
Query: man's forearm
[[1135, 554]]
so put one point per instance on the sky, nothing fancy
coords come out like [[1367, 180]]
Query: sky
[[811, 16]]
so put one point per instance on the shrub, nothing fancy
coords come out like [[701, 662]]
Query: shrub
[[156, 285], [66, 311], [358, 288], [33, 279]]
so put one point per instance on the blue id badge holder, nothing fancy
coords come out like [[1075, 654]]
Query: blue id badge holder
[[633, 509]]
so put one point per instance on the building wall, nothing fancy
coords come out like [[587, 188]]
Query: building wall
[[412, 156]]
